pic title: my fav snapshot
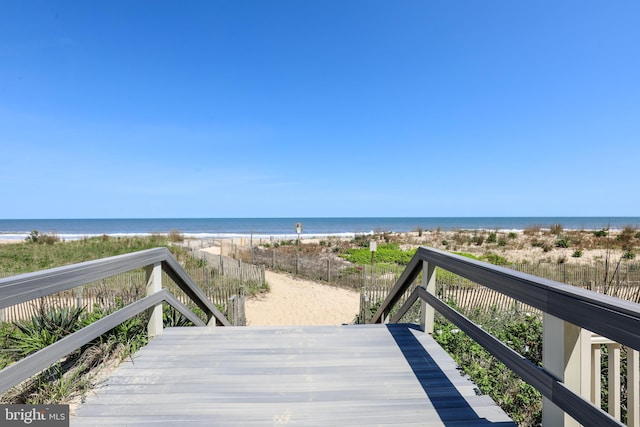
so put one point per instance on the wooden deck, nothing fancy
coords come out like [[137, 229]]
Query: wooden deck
[[361, 375]]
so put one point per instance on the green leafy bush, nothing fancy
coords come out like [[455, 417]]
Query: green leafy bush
[[523, 334], [36, 237], [495, 259], [386, 253], [601, 233], [43, 329]]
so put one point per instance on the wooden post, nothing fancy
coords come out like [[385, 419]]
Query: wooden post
[[232, 310], [154, 284], [596, 386], [365, 308], [566, 355], [384, 319], [429, 283], [633, 386], [613, 363], [79, 296], [328, 271]]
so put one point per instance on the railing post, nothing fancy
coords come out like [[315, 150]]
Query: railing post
[[566, 351], [429, 283], [633, 386], [613, 363], [154, 284], [596, 386]]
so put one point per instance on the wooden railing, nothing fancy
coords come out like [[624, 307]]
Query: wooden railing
[[570, 318], [26, 287]]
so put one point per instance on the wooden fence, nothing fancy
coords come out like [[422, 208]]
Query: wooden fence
[[114, 292], [622, 281], [328, 269], [233, 268]]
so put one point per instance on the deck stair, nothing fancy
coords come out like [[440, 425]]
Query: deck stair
[[319, 375]]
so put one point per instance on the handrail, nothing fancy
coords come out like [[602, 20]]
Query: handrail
[[608, 316], [24, 287], [611, 317]]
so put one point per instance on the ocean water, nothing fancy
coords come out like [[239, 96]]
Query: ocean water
[[70, 229]]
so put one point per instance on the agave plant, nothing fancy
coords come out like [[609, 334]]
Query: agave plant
[[44, 328]]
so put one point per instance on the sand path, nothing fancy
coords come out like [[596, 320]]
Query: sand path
[[297, 302]]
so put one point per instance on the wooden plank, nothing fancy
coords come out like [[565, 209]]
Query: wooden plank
[[343, 375]]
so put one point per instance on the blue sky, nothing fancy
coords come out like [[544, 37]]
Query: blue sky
[[255, 108]]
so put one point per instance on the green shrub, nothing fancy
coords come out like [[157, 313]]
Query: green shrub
[[477, 240], [577, 253], [601, 233], [36, 237], [520, 400], [492, 238], [495, 259], [131, 334], [43, 329], [173, 318], [387, 253], [562, 243]]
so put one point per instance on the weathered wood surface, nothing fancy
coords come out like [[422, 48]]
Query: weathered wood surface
[[320, 376]]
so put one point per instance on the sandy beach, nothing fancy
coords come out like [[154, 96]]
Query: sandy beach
[[292, 301]]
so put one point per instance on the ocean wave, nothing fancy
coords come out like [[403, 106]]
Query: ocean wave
[[202, 236]]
